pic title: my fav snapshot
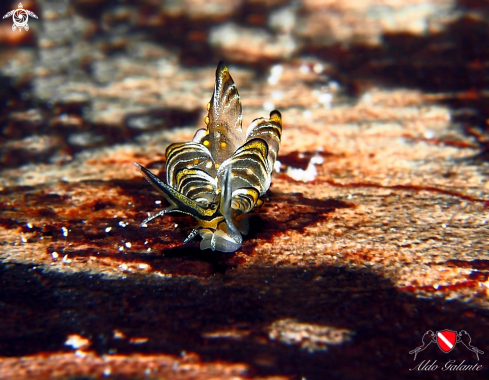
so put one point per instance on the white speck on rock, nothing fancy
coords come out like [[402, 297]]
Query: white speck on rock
[[80, 353], [307, 175], [318, 68], [302, 175], [268, 106], [316, 160], [276, 166], [77, 341], [325, 99], [308, 336], [304, 69]]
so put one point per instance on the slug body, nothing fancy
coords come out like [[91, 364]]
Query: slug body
[[219, 177]]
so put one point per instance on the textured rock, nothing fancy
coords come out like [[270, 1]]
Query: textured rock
[[373, 232]]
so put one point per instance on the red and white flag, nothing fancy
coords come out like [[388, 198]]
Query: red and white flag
[[446, 340]]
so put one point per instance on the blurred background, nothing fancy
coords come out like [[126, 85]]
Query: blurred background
[[374, 230], [91, 73]]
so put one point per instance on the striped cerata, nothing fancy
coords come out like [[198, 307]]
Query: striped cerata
[[219, 177]]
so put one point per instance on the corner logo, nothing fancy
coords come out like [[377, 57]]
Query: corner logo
[[446, 341], [20, 17]]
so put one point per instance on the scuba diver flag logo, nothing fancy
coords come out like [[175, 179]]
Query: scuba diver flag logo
[[446, 340]]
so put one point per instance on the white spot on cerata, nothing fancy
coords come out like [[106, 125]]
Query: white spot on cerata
[[64, 231], [128, 245], [157, 202], [108, 229]]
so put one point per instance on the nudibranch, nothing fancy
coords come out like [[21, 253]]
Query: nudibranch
[[221, 175]]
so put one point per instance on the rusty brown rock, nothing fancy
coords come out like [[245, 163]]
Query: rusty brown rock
[[373, 232]]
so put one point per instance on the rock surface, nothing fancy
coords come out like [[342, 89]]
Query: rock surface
[[374, 231]]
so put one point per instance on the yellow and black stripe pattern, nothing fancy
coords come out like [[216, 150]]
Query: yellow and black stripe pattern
[[220, 175]]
